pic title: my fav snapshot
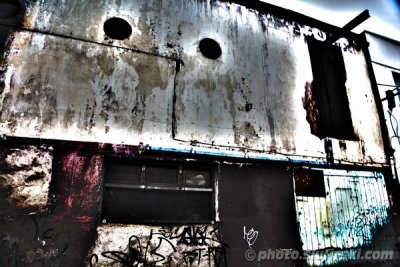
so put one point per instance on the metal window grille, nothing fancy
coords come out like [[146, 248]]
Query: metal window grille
[[157, 192]]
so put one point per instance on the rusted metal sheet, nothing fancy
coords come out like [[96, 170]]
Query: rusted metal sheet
[[141, 245], [248, 102], [347, 218], [66, 89]]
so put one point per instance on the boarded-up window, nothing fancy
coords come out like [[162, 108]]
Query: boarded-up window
[[309, 183], [157, 192], [334, 117]]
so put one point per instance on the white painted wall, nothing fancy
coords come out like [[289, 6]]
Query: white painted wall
[[59, 88], [385, 56]]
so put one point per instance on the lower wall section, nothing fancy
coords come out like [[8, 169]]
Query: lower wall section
[[344, 217], [29, 240], [257, 213], [253, 208], [140, 245], [59, 229]]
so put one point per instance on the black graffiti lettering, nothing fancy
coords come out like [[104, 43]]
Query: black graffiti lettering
[[193, 236], [93, 258], [191, 256], [36, 235], [154, 251], [119, 257], [134, 248], [9, 255], [196, 244], [130, 259], [45, 249], [15, 252], [48, 234], [217, 254], [147, 245], [63, 250]]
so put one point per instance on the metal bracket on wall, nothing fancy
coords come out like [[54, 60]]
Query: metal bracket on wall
[[349, 26]]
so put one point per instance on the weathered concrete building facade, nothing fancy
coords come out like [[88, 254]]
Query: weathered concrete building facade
[[187, 133], [385, 59]]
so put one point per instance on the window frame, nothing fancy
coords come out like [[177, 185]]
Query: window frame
[[329, 91], [396, 81], [180, 165]]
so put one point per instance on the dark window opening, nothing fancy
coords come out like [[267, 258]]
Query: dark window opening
[[210, 48], [155, 192], [396, 78], [11, 13], [9, 9], [309, 183], [333, 118], [117, 28]]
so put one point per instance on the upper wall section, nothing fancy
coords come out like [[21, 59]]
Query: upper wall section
[[163, 27], [64, 78], [67, 89]]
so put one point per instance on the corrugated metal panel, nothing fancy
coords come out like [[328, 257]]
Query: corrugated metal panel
[[332, 227]]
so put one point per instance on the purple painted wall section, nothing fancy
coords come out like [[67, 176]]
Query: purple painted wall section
[[80, 179]]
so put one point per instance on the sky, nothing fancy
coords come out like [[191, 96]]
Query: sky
[[384, 20]]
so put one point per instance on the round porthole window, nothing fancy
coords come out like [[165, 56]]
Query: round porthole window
[[9, 8], [117, 28], [210, 48]]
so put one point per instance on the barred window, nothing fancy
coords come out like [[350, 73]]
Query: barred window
[[157, 192]]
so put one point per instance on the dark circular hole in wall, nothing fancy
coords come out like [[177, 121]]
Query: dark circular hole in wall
[[210, 48], [117, 28], [9, 8]]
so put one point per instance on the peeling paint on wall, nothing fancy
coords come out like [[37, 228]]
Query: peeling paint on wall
[[89, 92], [155, 87], [65, 79], [140, 245], [386, 65], [77, 189], [84, 173], [26, 175], [309, 104]]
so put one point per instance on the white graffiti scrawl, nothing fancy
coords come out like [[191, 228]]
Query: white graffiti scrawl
[[250, 236]]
